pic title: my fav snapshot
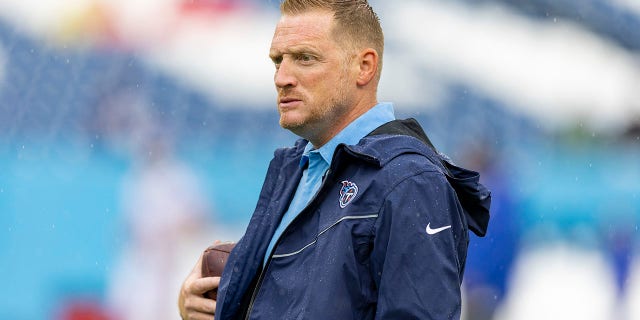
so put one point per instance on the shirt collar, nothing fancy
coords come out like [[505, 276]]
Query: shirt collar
[[354, 132]]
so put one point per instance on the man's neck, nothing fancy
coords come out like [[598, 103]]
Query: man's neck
[[343, 121]]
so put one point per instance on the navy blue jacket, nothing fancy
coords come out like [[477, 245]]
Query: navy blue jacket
[[385, 237]]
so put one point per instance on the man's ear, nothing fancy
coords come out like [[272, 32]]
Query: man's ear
[[368, 66]]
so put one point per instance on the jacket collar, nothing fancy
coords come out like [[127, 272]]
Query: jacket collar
[[406, 136]]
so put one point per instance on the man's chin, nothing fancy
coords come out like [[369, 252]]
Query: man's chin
[[296, 127], [289, 123]]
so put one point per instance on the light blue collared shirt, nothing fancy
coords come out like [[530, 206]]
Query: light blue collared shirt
[[319, 161]]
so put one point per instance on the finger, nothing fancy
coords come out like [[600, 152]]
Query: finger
[[198, 316], [201, 316], [199, 306], [202, 305], [202, 285]]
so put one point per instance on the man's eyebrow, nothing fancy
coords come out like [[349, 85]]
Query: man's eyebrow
[[302, 49], [275, 55], [293, 50]]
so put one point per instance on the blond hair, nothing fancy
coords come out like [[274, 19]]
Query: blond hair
[[357, 25]]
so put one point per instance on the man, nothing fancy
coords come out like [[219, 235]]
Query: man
[[362, 218]]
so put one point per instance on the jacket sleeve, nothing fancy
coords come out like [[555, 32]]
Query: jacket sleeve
[[419, 250]]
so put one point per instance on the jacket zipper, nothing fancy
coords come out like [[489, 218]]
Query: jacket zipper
[[324, 180], [257, 288], [266, 266]]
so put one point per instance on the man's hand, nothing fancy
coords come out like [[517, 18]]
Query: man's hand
[[191, 301]]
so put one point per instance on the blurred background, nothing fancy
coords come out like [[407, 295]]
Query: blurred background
[[135, 133]]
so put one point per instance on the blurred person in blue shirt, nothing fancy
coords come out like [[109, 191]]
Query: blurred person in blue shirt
[[362, 218], [490, 260]]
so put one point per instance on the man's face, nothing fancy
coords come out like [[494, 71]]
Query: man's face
[[313, 75]]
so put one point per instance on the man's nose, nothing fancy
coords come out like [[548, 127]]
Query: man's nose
[[284, 76]]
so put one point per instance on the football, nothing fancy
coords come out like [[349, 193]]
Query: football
[[213, 262]]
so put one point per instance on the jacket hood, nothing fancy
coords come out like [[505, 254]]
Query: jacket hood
[[406, 136]]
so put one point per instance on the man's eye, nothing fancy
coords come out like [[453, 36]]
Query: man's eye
[[306, 57]]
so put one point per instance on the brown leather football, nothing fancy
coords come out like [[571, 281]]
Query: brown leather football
[[213, 261]]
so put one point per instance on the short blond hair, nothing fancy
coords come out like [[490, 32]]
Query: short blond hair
[[357, 25]]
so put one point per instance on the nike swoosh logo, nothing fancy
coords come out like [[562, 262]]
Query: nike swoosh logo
[[436, 230]]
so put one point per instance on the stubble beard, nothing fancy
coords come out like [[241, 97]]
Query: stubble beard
[[320, 118]]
